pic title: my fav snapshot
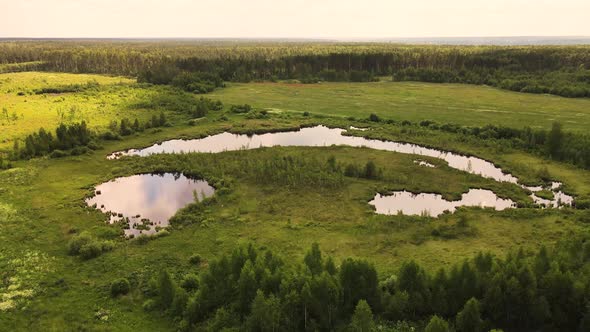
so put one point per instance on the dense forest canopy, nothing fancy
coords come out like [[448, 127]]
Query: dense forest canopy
[[560, 70]]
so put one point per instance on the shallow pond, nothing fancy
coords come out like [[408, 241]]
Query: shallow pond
[[433, 205], [147, 201], [316, 136], [324, 136]]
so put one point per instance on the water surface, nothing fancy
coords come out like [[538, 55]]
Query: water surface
[[433, 205], [324, 136], [147, 200]]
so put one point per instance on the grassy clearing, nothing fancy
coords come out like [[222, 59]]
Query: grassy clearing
[[26, 111], [444, 103]]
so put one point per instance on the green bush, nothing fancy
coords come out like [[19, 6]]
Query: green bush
[[149, 305], [90, 250], [120, 287], [86, 246], [195, 259], [241, 108], [77, 242], [190, 282], [58, 154]]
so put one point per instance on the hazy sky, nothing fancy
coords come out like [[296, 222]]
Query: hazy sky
[[293, 18]]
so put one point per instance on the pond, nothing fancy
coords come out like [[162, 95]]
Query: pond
[[433, 205], [323, 136], [147, 201]]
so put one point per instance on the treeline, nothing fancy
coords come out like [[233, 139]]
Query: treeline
[[179, 101], [125, 127], [566, 82], [562, 70], [168, 73], [69, 88], [555, 144], [255, 290], [21, 66], [4, 164], [75, 138]]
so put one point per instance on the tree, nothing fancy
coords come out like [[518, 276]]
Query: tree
[[330, 267], [370, 170], [313, 259], [469, 319], [362, 319], [358, 280], [265, 314], [555, 141], [585, 322], [166, 289], [247, 287], [437, 324]]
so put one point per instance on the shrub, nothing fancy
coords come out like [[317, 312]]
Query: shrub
[[90, 250], [87, 246], [120, 287], [195, 259], [374, 117], [149, 305], [58, 154], [241, 108], [110, 136], [77, 242], [190, 282]]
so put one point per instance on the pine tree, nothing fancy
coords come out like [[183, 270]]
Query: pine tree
[[437, 324], [247, 287], [362, 319], [313, 259], [166, 289], [469, 319], [265, 315], [555, 141]]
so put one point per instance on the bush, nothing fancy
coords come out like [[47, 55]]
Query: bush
[[190, 282], [90, 250], [77, 242], [241, 108], [58, 154], [149, 305], [110, 136], [120, 287], [79, 150], [195, 259], [86, 246], [374, 117]]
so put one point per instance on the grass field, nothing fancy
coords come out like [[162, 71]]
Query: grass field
[[42, 200], [444, 103], [26, 111]]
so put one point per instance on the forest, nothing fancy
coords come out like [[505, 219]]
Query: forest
[[255, 288], [558, 70]]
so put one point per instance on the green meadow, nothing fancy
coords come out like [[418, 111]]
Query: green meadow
[[415, 101], [42, 207]]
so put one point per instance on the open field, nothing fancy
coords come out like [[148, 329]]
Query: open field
[[42, 200], [415, 101], [26, 111]]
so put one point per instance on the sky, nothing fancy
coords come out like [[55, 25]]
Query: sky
[[332, 19]]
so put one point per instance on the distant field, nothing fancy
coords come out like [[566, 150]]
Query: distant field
[[444, 103], [27, 112]]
